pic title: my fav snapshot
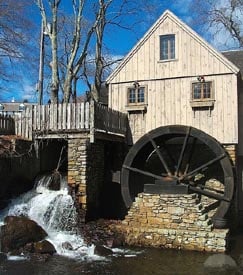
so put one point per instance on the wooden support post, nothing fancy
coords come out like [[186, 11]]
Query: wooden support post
[[91, 122]]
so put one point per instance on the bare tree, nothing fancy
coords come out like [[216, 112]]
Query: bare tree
[[220, 17], [77, 41], [77, 49], [14, 27], [51, 30]]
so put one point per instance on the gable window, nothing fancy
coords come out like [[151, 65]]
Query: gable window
[[167, 47], [202, 94]]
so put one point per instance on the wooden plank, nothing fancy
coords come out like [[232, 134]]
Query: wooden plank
[[64, 116], [30, 136], [92, 125], [51, 116], [34, 117], [78, 111], [43, 118], [87, 116], [60, 110], [69, 116], [73, 116], [47, 115], [39, 117], [82, 113], [55, 117]]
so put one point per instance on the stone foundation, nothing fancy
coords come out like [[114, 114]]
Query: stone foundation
[[231, 150], [86, 174], [171, 221]]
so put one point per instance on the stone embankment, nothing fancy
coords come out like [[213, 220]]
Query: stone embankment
[[171, 221]]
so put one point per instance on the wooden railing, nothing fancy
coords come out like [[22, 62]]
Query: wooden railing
[[109, 120], [71, 117], [6, 125]]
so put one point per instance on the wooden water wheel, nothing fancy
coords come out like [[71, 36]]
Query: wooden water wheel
[[179, 159]]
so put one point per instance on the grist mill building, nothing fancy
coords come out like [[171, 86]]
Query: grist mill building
[[166, 154], [184, 104]]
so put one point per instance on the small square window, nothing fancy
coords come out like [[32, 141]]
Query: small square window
[[136, 95], [202, 91], [202, 94], [136, 98], [167, 47]]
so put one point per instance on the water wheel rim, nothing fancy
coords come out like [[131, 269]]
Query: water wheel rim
[[203, 137]]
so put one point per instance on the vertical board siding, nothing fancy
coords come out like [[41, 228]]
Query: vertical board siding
[[169, 85], [169, 103]]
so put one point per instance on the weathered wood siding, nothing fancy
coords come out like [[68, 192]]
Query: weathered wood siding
[[240, 119], [169, 84]]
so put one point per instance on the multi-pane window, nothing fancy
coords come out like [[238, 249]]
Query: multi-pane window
[[202, 90], [136, 95], [167, 47]]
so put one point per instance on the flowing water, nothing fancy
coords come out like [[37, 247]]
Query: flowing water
[[55, 212]]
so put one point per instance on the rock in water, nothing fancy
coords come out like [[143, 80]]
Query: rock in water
[[55, 182], [18, 231], [220, 262], [101, 250], [44, 247]]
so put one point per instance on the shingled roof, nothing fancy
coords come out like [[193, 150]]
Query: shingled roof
[[236, 57]]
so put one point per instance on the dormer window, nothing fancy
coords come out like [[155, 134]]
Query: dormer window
[[167, 47]]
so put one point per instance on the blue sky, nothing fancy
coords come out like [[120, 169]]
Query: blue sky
[[119, 42]]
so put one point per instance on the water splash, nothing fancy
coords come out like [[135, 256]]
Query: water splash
[[55, 212]]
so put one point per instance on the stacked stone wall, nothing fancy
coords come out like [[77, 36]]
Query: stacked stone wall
[[77, 172], [231, 150], [86, 174], [171, 221]]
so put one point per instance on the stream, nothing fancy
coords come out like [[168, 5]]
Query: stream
[[55, 212]]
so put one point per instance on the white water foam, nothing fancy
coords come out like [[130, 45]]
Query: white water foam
[[55, 212]]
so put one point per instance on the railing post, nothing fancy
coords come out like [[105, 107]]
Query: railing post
[[92, 121]]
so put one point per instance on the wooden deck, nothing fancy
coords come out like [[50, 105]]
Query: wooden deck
[[66, 120]]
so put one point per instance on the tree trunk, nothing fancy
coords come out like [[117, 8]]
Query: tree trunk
[[67, 87], [54, 65]]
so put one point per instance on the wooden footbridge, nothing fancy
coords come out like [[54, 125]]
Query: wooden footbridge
[[65, 121]]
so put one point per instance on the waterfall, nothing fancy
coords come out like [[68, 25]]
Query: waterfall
[[55, 212]]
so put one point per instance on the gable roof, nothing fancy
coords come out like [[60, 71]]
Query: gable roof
[[236, 57], [173, 17]]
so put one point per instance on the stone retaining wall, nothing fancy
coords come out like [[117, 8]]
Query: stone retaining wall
[[231, 150], [86, 174], [171, 221]]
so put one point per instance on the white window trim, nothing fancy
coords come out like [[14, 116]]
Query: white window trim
[[176, 48]]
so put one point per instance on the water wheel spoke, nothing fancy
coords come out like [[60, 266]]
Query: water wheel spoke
[[156, 148], [165, 147], [209, 194], [205, 165], [182, 151], [190, 155], [209, 188], [145, 173]]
